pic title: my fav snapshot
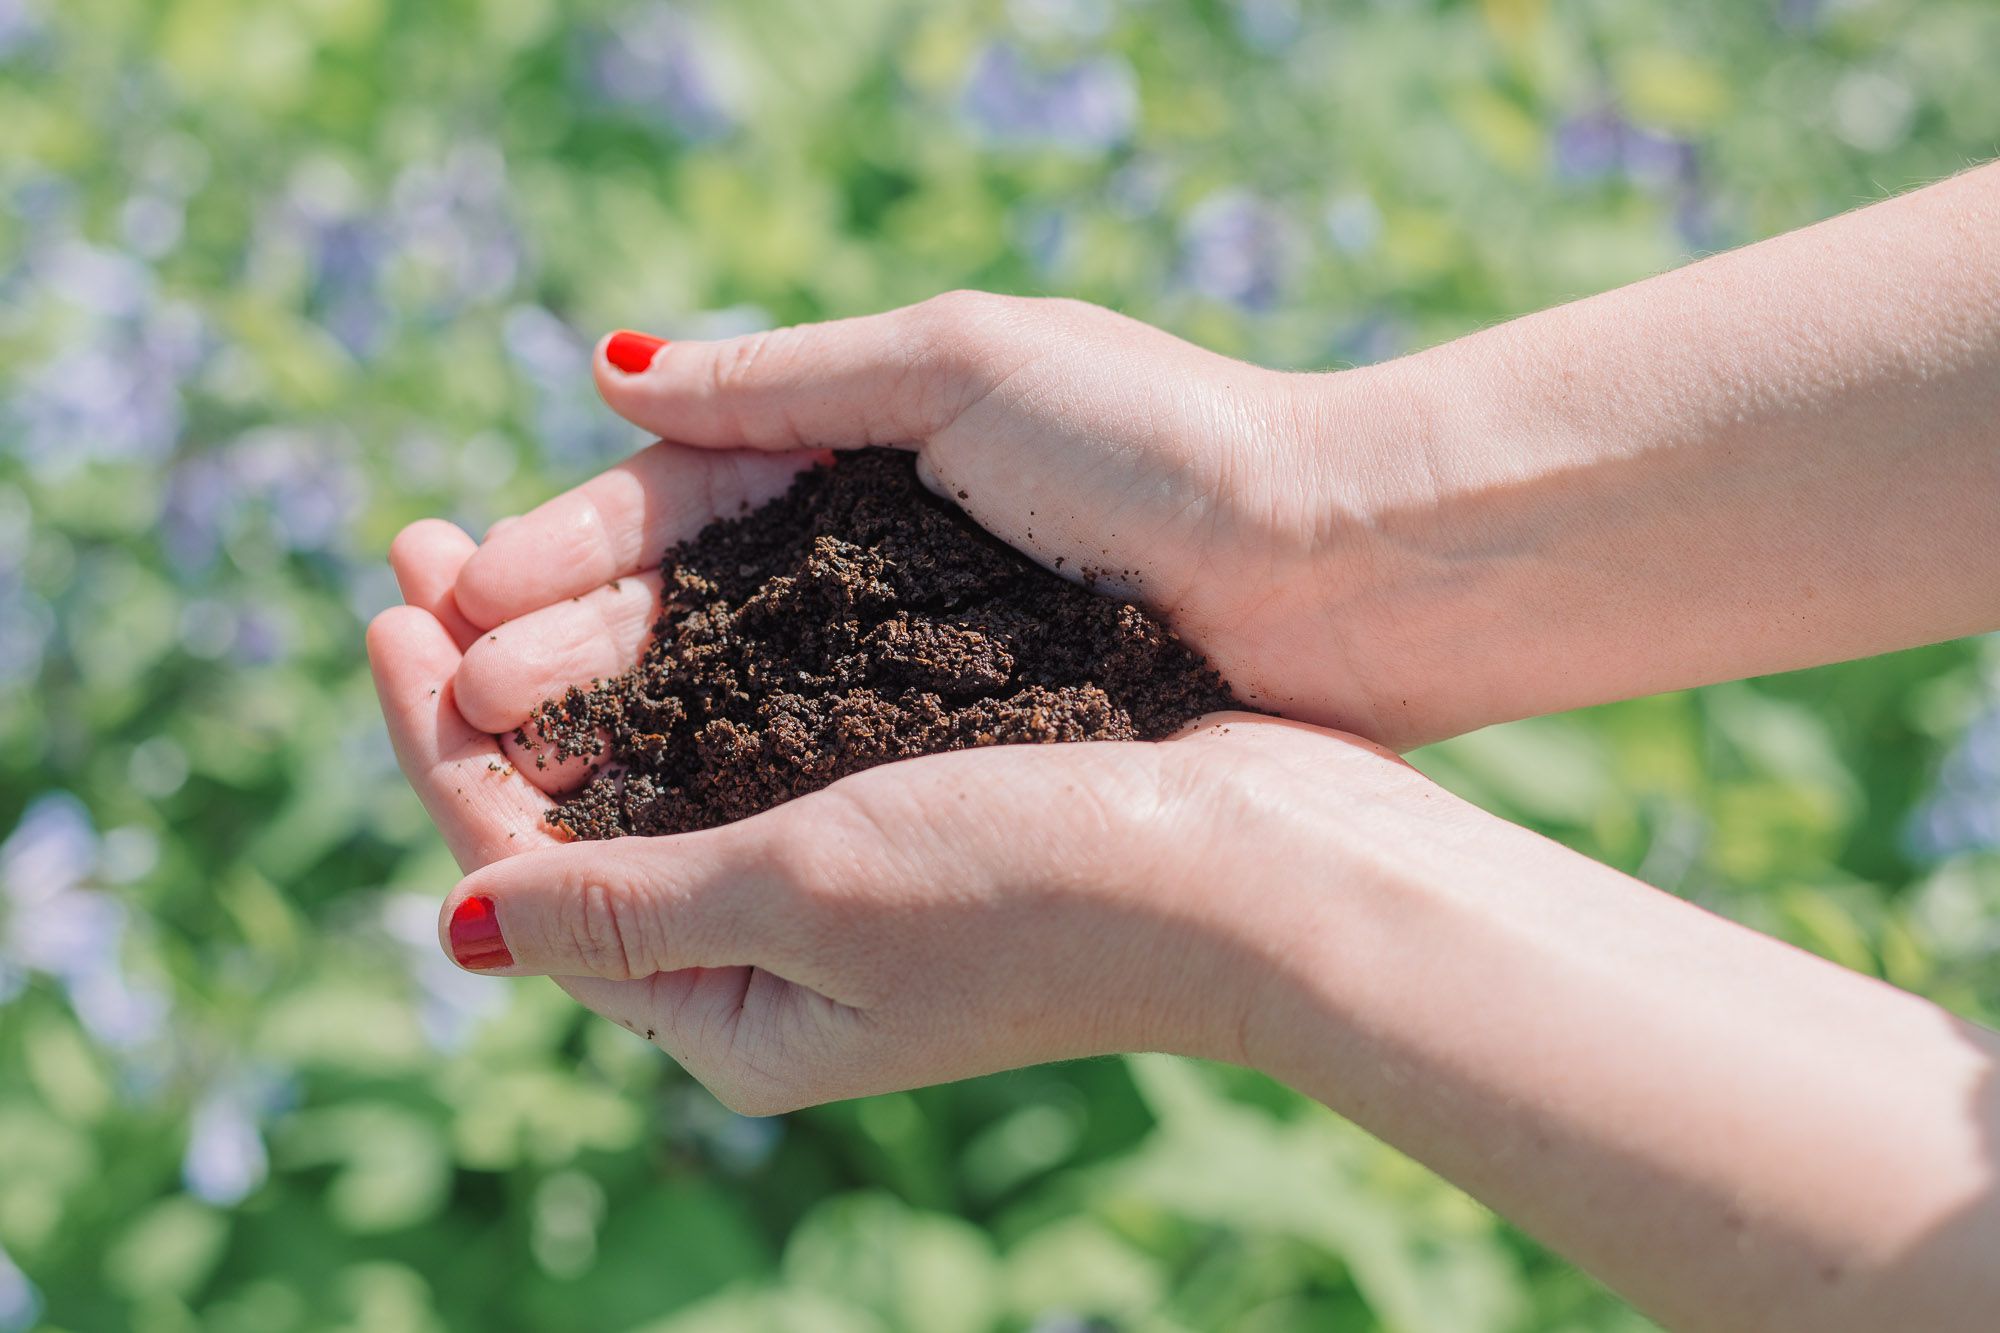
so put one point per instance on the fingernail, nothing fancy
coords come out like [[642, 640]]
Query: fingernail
[[632, 352], [476, 941]]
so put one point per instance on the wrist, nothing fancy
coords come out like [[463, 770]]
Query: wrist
[[1403, 580], [1322, 832]]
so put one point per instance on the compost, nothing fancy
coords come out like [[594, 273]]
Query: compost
[[855, 620]]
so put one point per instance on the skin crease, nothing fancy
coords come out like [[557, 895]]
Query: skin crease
[[1773, 458]]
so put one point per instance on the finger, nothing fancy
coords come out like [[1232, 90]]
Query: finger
[[613, 526], [481, 805], [500, 817], [628, 908], [893, 378], [426, 557], [515, 666]]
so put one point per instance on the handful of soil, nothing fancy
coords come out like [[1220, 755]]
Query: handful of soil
[[855, 620]]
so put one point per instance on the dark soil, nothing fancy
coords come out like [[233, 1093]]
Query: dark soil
[[855, 620]]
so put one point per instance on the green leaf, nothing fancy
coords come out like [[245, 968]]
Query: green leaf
[[918, 1272], [168, 1250]]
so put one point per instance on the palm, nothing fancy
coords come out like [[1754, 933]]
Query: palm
[[488, 800]]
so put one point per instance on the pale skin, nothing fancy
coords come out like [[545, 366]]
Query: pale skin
[[1783, 456]]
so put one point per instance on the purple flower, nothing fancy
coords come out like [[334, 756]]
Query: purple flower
[[306, 487], [103, 282], [542, 345], [20, 27], [325, 226], [57, 926], [120, 1012], [263, 636], [20, 1302], [1962, 813], [52, 850], [453, 222], [1658, 161], [1587, 147], [1239, 248], [1599, 143], [571, 425], [113, 389], [1087, 106], [225, 1160], [656, 61]]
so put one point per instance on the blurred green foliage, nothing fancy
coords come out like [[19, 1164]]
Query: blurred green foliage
[[276, 278]]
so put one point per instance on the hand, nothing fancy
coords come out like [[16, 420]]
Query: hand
[[893, 929], [1105, 449], [897, 929]]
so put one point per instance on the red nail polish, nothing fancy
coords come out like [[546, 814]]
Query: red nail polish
[[476, 941], [632, 352]]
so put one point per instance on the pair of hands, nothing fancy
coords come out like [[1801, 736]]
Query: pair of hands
[[955, 914]]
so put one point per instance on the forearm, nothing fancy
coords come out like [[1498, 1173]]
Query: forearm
[[1732, 1133], [1778, 457]]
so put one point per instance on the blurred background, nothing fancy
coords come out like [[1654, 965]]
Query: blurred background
[[276, 278]]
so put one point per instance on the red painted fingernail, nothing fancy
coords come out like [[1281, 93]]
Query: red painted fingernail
[[632, 352], [476, 941]]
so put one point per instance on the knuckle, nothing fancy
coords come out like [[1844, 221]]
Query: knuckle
[[1069, 310], [957, 317], [607, 926], [733, 369]]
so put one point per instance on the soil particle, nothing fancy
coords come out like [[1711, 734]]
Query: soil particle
[[855, 620]]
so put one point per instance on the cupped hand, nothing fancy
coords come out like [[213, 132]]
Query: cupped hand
[[897, 928], [947, 916], [1107, 450]]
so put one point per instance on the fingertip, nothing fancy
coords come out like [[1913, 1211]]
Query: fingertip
[[432, 539], [627, 352], [471, 932], [488, 687], [478, 594], [401, 631], [426, 557]]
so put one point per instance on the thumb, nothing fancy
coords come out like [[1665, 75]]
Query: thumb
[[626, 908], [894, 378]]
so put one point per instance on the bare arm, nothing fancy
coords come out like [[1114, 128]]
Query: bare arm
[[1775, 458], [1731, 1132]]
